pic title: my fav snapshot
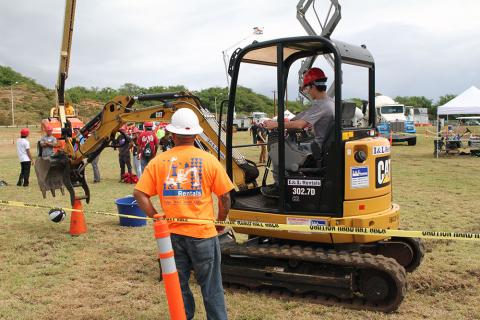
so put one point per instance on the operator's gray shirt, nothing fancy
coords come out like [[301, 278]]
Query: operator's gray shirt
[[320, 116], [48, 151]]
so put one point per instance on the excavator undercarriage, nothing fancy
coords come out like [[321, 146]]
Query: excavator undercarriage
[[358, 278]]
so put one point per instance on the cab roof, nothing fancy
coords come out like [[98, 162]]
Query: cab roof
[[265, 53]]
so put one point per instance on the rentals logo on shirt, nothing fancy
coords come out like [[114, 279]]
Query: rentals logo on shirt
[[183, 179]]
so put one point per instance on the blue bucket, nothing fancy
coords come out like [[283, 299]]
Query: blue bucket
[[128, 205]]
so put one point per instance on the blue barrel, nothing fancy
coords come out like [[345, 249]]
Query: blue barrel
[[128, 205]]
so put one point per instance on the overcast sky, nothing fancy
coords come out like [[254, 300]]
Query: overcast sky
[[421, 47]]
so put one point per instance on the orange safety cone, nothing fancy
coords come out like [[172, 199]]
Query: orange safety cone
[[391, 137], [169, 269], [77, 220]]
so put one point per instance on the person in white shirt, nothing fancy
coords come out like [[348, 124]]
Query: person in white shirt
[[25, 157]]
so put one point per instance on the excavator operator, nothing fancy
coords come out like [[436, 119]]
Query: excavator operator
[[320, 116]]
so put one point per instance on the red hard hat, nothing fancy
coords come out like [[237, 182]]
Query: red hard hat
[[148, 124], [24, 132], [314, 75]]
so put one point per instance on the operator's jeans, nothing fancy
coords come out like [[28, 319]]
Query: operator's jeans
[[302, 146], [204, 257]]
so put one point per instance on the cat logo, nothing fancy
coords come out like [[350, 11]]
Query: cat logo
[[157, 114], [383, 175]]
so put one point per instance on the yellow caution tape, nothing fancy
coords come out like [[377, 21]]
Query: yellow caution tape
[[443, 235], [39, 206], [426, 134]]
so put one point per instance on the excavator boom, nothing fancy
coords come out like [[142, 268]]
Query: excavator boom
[[66, 167]]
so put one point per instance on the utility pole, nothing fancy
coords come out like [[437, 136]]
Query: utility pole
[[11, 97]]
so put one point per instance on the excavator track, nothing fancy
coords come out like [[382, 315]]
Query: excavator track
[[353, 280]]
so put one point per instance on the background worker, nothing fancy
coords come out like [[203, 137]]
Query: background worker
[[166, 143], [184, 178], [25, 157], [253, 131], [160, 133], [136, 152], [262, 138], [48, 142], [148, 143], [69, 110], [96, 170], [124, 154], [320, 116]]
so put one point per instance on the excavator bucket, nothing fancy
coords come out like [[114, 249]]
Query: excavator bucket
[[50, 174], [55, 172]]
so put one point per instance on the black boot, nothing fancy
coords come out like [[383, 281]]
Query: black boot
[[271, 191]]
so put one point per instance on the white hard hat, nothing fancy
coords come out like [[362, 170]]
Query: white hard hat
[[184, 122]]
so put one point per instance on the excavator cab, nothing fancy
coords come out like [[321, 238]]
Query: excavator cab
[[344, 183], [312, 180]]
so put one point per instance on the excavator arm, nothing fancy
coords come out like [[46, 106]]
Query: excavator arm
[[66, 168]]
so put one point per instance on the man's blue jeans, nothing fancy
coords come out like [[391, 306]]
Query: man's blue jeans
[[204, 257], [143, 164]]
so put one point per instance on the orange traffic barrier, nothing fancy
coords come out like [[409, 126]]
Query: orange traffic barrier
[[391, 137], [169, 269], [77, 219]]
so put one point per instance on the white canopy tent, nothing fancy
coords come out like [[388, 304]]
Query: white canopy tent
[[468, 102]]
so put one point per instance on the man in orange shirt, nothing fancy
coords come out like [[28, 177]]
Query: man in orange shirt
[[184, 178]]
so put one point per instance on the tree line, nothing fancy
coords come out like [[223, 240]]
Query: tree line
[[246, 102]]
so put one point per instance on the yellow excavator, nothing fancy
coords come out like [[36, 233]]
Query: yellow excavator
[[350, 186], [346, 183]]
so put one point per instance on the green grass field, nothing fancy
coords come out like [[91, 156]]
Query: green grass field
[[112, 273]]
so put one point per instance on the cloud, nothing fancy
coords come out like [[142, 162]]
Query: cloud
[[420, 47]]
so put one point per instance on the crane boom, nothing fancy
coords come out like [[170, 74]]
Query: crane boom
[[327, 27], [65, 58]]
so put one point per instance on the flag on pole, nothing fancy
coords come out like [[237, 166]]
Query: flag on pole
[[257, 30]]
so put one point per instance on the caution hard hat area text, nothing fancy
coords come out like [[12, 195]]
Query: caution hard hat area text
[[440, 235]]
